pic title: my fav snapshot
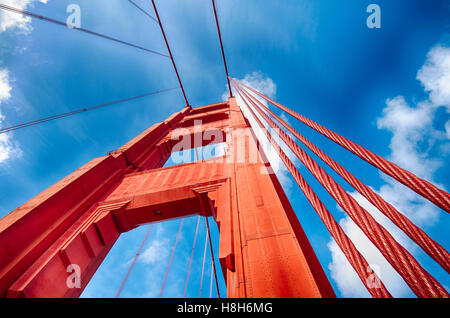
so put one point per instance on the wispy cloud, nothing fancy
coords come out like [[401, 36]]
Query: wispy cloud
[[415, 145], [21, 23], [8, 147]]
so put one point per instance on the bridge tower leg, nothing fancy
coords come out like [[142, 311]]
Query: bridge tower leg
[[70, 227]]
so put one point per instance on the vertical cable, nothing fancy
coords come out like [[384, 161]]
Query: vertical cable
[[192, 256], [203, 266], [212, 255], [211, 278], [134, 261], [171, 258]]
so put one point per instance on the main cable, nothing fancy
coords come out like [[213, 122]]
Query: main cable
[[431, 247], [355, 258], [417, 278], [429, 191]]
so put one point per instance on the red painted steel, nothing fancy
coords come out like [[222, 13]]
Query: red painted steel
[[417, 278], [355, 258], [431, 247], [263, 250], [439, 197]]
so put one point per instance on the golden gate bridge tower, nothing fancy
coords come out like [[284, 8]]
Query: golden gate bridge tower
[[263, 250]]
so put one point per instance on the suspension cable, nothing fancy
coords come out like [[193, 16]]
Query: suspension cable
[[429, 191], [431, 247], [134, 261], [171, 259], [212, 257], [170, 53], [192, 256], [143, 11], [203, 266], [211, 280], [47, 19], [211, 207], [78, 111], [417, 278], [221, 46], [355, 258]]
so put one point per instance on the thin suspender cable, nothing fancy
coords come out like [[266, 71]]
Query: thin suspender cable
[[171, 258], [431, 247], [192, 256], [221, 46], [170, 53], [212, 256], [134, 261], [355, 258], [196, 154], [143, 11], [211, 278], [47, 19], [78, 111], [417, 278], [203, 266], [429, 191]]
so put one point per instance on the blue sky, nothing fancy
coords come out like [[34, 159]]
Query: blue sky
[[387, 89]]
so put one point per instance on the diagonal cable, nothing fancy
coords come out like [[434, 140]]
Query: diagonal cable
[[429, 191], [170, 53], [47, 19], [415, 276], [431, 247], [78, 111], [142, 10], [355, 258], [221, 46]]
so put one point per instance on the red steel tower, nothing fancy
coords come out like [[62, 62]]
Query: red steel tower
[[263, 249]]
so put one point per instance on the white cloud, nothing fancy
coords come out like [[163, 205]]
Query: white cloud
[[157, 251], [10, 20], [8, 148], [413, 135], [5, 87], [435, 76], [411, 127], [447, 129]]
